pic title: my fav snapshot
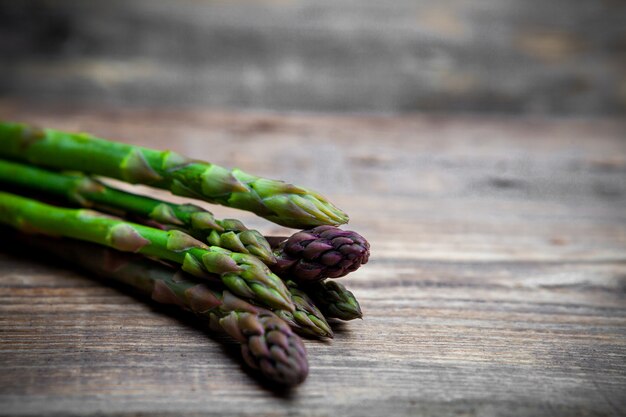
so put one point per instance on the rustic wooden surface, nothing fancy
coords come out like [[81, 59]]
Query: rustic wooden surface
[[496, 284], [524, 56]]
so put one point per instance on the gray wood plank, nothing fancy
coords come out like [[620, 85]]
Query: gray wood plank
[[532, 56]]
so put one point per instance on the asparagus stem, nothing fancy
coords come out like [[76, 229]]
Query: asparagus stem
[[80, 189], [243, 274], [284, 362], [277, 201]]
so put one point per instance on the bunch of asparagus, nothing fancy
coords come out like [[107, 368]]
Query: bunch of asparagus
[[260, 290]]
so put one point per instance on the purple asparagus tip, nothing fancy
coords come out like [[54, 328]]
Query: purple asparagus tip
[[321, 252], [273, 348]]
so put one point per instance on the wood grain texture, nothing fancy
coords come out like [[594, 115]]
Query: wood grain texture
[[530, 56], [496, 285]]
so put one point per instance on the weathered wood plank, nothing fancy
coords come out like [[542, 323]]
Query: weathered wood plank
[[531, 56], [481, 297]]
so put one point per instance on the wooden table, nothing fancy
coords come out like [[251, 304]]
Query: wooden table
[[495, 287]]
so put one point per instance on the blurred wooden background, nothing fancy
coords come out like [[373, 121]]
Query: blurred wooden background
[[513, 56]]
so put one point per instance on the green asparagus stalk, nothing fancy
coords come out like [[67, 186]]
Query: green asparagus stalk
[[334, 300], [80, 189], [243, 274], [277, 201], [307, 315], [267, 343]]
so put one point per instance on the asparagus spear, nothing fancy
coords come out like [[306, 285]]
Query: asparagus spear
[[266, 342], [243, 274], [322, 252], [334, 300], [307, 315], [229, 233], [277, 201]]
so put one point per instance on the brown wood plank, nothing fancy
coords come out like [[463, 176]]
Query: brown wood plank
[[496, 284]]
